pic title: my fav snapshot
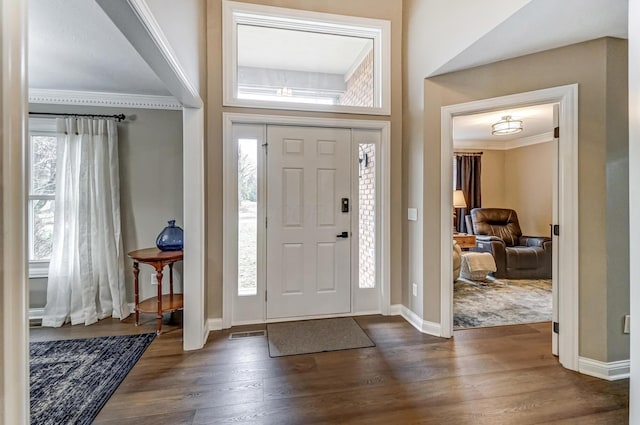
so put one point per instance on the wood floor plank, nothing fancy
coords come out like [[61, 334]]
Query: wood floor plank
[[500, 375]]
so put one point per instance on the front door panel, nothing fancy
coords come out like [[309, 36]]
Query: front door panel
[[308, 255]]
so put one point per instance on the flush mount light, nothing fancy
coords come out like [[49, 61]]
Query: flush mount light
[[506, 126]]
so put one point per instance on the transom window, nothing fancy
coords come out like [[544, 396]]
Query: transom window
[[293, 59]]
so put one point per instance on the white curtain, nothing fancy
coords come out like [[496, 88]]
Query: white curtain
[[86, 273]]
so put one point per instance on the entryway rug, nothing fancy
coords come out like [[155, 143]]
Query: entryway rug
[[500, 302], [72, 379], [315, 336]]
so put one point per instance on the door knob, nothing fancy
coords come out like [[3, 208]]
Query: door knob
[[343, 235]]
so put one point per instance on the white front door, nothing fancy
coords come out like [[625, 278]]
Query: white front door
[[308, 221]]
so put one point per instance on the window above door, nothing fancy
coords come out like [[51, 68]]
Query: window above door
[[294, 59]]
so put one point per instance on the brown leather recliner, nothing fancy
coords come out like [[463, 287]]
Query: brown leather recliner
[[517, 257]]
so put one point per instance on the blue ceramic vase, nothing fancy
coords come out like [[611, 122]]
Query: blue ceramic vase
[[171, 238]]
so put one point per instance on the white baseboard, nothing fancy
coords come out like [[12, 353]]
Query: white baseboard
[[424, 326], [395, 310], [611, 371], [214, 324], [36, 313]]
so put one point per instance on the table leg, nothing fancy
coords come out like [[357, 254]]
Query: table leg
[[159, 275], [171, 291], [136, 272], [171, 279]]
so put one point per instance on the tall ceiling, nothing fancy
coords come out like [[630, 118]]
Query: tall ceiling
[[73, 45], [543, 25]]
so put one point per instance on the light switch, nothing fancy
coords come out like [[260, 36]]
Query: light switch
[[412, 214]]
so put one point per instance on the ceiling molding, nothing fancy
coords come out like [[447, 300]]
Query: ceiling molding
[[136, 21], [71, 97], [497, 145]]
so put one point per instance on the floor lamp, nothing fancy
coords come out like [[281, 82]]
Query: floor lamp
[[458, 202]]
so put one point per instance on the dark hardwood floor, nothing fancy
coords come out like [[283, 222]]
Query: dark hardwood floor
[[501, 375]]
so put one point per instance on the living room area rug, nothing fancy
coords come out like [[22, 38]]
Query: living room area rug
[[315, 336], [498, 302], [70, 380]]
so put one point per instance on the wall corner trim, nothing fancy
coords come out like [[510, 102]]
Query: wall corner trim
[[611, 371], [214, 324], [424, 326], [114, 100]]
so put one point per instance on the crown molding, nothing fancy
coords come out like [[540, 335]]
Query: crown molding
[[89, 98], [497, 145]]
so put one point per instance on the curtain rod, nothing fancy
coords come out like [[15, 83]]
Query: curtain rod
[[118, 117], [468, 153]]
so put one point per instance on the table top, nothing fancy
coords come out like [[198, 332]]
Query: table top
[[465, 240], [155, 254]]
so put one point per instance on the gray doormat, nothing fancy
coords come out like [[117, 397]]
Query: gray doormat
[[315, 336], [499, 302]]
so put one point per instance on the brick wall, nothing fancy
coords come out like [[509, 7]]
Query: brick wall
[[360, 85], [367, 200]]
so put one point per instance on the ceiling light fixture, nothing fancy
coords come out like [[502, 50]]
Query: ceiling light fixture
[[506, 126]]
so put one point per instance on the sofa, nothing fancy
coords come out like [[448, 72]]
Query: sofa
[[517, 256]]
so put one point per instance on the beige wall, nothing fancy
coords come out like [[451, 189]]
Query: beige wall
[[519, 179], [634, 183], [492, 178], [528, 186], [492, 184], [378, 9], [3, 284], [597, 66], [617, 198], [150, 153]]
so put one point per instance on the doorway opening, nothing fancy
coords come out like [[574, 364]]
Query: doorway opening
[[508, 182], [566, 240]]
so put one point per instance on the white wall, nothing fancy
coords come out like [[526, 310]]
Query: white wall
[[463, 22], [634, 202], [184, 27]]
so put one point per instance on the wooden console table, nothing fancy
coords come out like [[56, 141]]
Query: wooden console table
[[162, 303]]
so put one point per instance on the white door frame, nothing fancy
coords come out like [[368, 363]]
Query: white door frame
[[14, 293], [136, 21], [383, 166], [567, 98]]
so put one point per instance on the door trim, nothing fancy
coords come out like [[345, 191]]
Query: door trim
[[14, 292], [567, 97], [229, 217]]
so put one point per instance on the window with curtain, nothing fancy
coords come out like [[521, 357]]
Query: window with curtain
[[86, 269], [467, 177]]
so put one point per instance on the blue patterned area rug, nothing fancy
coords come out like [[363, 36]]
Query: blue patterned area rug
[[72, 379], [498, 302]]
